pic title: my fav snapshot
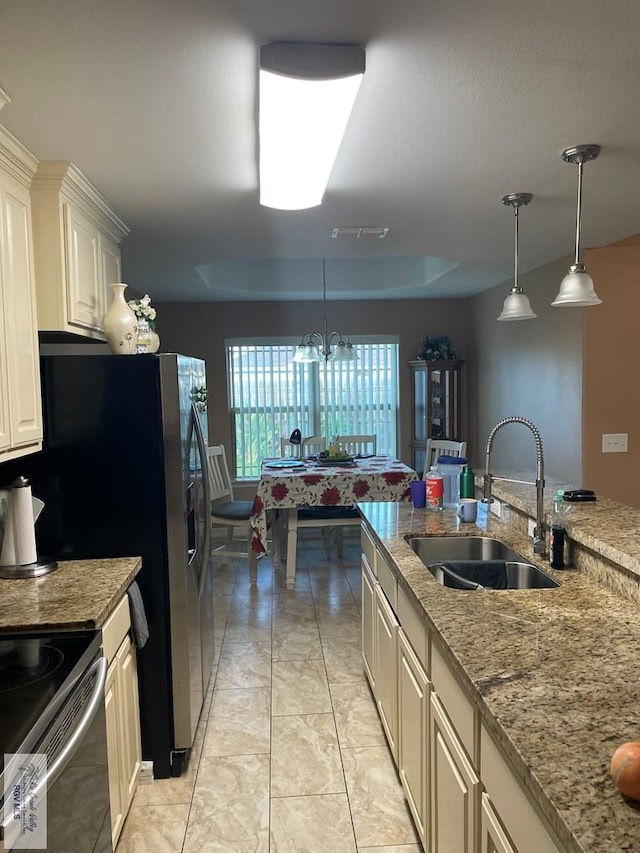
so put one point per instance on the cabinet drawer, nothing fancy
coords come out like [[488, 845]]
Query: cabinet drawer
[[387, 581], [455, 701], [115, 628], [414, 628], [512, 804], [368, 549]]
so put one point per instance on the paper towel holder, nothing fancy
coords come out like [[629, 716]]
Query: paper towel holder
[[39, 567]]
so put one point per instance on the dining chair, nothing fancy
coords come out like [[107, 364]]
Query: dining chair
[[308, 446], [229, 514], [440, 446], [288, 448], [354, 444]]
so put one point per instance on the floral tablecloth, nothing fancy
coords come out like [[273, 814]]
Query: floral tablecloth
[[378, 478]]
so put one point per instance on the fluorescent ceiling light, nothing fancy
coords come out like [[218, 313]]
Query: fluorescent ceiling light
[[307, 92]]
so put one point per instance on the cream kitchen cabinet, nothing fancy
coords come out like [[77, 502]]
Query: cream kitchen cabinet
[[414, 690], [510, 821], [20, 405], [77, 250], [122, 713], [461, 792]]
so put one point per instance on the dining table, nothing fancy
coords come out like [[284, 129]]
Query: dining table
[[287, 484]]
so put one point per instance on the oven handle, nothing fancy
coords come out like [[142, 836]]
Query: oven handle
[[99, 666]]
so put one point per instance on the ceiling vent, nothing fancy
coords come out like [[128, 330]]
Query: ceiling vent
[[360, 232]]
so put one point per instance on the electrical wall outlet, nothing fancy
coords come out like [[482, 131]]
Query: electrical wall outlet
[[496, 507], [615, 442], [145, 776], [531, 528]]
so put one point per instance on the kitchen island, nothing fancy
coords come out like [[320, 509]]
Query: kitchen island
[[79, 595], [552, 674]]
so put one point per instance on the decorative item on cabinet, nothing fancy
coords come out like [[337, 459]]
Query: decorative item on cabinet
[[436, 349], [76, 238], [120, 323], [146, 317]]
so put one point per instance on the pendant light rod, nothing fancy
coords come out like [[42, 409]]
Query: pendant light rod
[[516, 201], [579, 154]]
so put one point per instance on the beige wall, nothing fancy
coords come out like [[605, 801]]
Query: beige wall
[[201, 328], [611, 360], [531, 368]]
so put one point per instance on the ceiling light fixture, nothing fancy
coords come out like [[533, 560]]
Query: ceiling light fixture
[[316, 346], [307, 92], [576, 288], [516, 305]]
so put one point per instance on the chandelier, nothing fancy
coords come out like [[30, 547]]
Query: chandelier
[[316, 346]]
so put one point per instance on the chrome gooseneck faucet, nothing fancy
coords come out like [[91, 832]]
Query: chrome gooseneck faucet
[[539, 545]]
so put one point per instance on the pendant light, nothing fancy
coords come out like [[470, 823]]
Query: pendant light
[[516, 305], [316, 346], [576, 288]]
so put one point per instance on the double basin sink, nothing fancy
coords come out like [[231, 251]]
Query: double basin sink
[[477, 562]]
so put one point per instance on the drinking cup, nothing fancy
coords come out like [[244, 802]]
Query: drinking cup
[[467, 509], [419, 493]]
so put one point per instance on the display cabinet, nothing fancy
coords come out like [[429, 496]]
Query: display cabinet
[[436, 405]]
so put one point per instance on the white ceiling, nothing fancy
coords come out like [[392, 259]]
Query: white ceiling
[[462, 102]]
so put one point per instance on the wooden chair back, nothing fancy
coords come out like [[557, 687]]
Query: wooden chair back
[[442, 447], [359, 443]]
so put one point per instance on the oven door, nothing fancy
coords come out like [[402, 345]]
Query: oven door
[[75, 778]]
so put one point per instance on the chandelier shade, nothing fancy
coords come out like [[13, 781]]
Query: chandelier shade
[[576, 288], [516, 305], [316, 347], [307, 92]]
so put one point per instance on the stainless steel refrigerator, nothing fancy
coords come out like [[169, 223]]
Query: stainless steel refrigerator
[[123, 472]]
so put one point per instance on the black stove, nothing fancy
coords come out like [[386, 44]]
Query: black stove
[[33, 668]]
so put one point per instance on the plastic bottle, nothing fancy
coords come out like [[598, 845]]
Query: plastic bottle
[[556, 532], [467, 483], [435, 488]]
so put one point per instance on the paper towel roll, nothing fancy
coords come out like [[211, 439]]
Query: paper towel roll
[[19, 543]]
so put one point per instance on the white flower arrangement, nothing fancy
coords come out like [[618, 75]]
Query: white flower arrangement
[[143, 310]]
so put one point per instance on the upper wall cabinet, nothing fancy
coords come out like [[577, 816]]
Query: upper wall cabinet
[[20, 405], [77, 250]]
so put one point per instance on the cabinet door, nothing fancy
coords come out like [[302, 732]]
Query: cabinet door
[[413, 733], [85, 306], [110, 272], [22, 378], [455, 788], [129, 720], [386, 672], [493, 838], [112, 702], [368, 621]]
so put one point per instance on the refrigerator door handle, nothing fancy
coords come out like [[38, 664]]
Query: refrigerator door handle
[[204, 467]]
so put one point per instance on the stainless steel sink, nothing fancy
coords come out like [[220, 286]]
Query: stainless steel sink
[[478, 563]]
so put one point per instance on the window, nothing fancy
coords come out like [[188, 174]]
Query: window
[[270, 396]]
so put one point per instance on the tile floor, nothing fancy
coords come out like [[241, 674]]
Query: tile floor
[[289, 756]]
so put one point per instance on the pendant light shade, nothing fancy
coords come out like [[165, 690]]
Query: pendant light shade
[[576, 288], [516, 305]]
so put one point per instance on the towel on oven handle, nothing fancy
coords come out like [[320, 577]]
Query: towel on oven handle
[[139, 622]]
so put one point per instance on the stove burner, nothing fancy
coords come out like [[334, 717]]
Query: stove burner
[[14, 674]]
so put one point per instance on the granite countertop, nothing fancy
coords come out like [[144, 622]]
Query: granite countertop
[[78, 595], [553, 672]]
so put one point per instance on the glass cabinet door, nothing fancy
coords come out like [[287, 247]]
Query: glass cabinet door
[[436, 405]]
